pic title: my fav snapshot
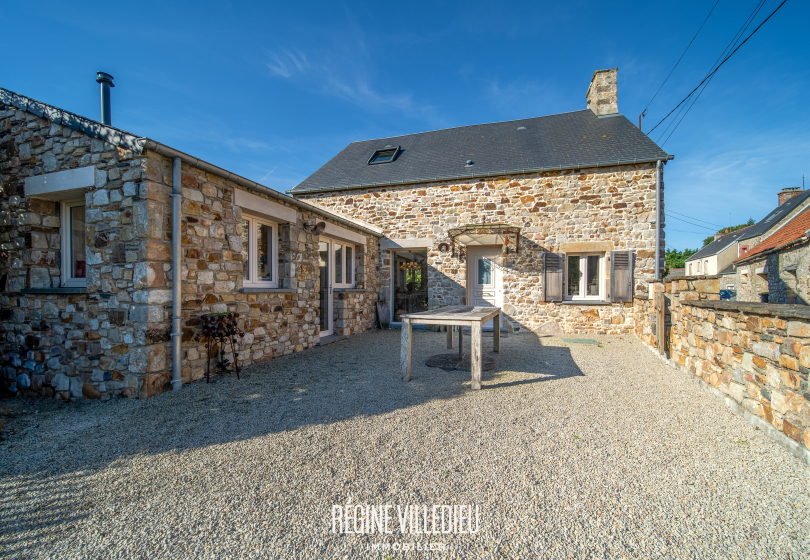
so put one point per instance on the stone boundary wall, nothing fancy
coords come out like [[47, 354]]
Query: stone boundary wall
[[754, 355]]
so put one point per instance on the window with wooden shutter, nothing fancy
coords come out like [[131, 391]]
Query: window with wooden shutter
[[621, 276], [553, 268]]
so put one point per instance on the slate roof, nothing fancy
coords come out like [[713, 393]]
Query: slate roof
[[719, 245], [777, 215], [563, 141], [789, 233]]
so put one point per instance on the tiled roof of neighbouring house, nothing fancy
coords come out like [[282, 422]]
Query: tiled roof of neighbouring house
[[776, 215], [792, 231], [719, 244], [565, 141]]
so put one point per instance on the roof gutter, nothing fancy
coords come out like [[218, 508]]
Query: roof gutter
[[253, 186], [294, 192]]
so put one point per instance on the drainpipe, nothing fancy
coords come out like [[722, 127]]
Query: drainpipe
[[177, 331], [659, 179]]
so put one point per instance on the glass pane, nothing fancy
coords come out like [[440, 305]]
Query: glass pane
[[246, 250], [593, 275], [410, 283], [484, 272], [383, 156], [338, 263], [264, 252], [574, 275], [78, 260], [349, 264], [323, 262]]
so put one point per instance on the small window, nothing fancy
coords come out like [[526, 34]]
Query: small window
[[386, 155], [584, 275], [74, 260], [344, 265], [259, 253]]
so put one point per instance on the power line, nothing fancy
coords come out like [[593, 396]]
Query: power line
[[679, 60], [692, 224], [691, 218], [731, 44], [718, 66], [684, 231]]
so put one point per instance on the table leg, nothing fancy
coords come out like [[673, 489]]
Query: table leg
[[450, 337], [405, 351], [496, 333], [460, 340], [475, 355]]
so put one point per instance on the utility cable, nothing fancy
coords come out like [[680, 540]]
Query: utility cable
[[718, 66], [691, 224], [691, 218], [679, 60]]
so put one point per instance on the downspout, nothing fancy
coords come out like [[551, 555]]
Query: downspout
[[177, 331], [659, 176]]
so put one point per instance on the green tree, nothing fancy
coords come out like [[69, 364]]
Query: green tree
[[677, 259]]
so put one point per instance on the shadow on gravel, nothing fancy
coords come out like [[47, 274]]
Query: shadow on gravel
[[53, 452]]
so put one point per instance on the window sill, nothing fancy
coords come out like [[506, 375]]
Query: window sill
[[349, 290], [257, 290], [74, 290], [586, 302]]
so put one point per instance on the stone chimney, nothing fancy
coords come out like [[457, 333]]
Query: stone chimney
[[788, 193], [602, 95]]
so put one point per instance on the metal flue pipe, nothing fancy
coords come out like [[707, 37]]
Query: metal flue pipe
[[177, 330], [106, 82]]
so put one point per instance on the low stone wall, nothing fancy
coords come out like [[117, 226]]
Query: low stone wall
[[756, 356]]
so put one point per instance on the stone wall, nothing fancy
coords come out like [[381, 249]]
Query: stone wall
[[112, 337], [611, 206], [787, 279], [751, 284], [756, 356], [56, 342]]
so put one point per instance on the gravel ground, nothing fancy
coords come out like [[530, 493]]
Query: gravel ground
[[568, 451]]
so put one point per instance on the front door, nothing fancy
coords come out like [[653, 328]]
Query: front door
[[325, 260], [484, 279]]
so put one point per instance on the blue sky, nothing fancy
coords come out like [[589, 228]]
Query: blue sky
[[272, 90]]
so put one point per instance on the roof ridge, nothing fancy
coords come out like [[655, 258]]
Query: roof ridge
[[469, 126]]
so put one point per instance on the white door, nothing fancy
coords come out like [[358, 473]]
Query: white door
[[484, 279]]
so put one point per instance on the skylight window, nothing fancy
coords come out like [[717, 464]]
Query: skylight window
[[386, 155]]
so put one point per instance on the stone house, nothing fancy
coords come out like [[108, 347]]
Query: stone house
[[715, 257], [556, 219], [118, 244], [791, 202], [777, 270]]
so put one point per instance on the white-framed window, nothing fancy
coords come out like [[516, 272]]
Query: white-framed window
[[585, 274], [74, 252], [343, 268], [259, 252]]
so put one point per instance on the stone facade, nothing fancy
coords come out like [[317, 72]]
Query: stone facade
[[784, 275], [602, 96], [112, 337], [561, 211], [756, 355]]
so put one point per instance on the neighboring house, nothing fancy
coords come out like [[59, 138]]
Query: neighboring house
[[675, 272], [777, 270], [551, 218], [715, 256], [87, 304], [791, 202]]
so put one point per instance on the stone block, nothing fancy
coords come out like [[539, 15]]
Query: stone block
[[152, 297], [736, 391], [149, 217], [768, 350], [148, 275], [146, 359], [90, 391], [39, 278], [156, 251], [798, 328]]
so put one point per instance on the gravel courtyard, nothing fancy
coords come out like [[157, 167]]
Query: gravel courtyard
[[574, 451]]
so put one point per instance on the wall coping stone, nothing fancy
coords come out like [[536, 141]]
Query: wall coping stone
[[698, 277], [786, 311], [586, 302]]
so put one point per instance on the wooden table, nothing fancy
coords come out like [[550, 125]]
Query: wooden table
[[453, 315]]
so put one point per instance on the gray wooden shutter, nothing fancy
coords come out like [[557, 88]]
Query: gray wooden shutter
[[553, 266], [621, 276]]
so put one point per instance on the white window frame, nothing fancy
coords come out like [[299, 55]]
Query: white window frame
[[65, 231], [343, 268], [253, 249], [583, 279]]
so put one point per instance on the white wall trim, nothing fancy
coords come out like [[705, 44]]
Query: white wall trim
[[61, 185], [344, 234], [387, 243], [257, 205]]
